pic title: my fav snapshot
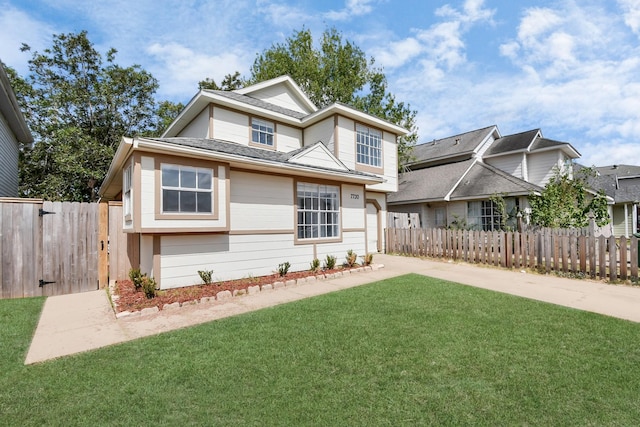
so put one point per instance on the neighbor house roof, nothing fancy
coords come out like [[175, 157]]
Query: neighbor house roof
[[458, 147], [10, 109], [468, 179], [529, 141], [619, 170]]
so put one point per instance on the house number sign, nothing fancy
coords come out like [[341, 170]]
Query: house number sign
[[355, 196]]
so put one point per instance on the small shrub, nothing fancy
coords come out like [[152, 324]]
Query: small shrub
[[149, 286], [367, 259], [330, 262], [136, 277], [283, 268], [315, 265], [351, 258], [206, 276]]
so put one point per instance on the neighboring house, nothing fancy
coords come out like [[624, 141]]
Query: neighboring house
[[452, 180], [13, 132], [245, 180], [622, 183]]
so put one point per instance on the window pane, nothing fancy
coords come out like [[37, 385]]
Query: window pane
[[170, 200], [188, 178], [187, 201], [204, 179], [170, 176], [204, 202]]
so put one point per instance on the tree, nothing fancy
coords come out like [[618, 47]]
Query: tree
[[78, 108], [338, 71], [230, 82], [165, 114], [566, 203]]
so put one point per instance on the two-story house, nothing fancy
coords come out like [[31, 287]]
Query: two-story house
[[13, 131], [452, 180], [244, 180]]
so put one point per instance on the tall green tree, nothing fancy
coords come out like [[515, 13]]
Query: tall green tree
[[79, 104], [337, 71], [566, 203], [229, 82]]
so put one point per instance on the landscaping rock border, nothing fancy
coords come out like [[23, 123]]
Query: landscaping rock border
[[227, 296]]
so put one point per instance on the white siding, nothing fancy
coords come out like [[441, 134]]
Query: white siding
[[146, 255], [511, 164], [322, 131], [199, 127], [229, 256], [485, 146], [541, 166], [280, 95], [148, 201], [354, 241], [347, 142], [353, 203], [456, 210], [288, 138], [261, 202], [318, 157], [8, 161], [230, 126]]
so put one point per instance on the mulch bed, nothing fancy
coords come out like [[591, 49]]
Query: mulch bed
[[131, 299]]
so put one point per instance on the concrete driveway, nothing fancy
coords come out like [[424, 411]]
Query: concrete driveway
[[80, 322]]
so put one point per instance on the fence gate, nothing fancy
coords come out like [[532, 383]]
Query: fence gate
[[48, 248]]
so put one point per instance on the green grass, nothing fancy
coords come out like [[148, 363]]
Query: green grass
[[406, 351]]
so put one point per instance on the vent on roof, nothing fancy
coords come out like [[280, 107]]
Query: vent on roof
[[457, 141]]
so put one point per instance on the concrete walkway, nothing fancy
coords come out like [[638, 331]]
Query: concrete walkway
[[75, 323]]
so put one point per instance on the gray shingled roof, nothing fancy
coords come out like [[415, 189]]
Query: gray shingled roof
[[258, 103], [546, 143], [233, 148], [515, 142], [619, 170], [434, 183], [484, 180], [456, 145]]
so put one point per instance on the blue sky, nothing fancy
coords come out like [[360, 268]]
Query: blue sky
[[569, 67]]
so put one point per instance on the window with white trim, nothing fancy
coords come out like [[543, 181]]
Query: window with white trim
[[368, 146], [318, 211], [262, 132], [126, 190], [186, 189]]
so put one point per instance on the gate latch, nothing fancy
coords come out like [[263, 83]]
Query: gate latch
[[44, 282], [42, 212]]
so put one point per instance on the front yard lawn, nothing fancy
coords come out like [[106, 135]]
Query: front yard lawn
[[406, 351]]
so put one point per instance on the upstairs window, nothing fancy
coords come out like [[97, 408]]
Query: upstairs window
[[368, 146], [262, 132], [186, 189], [318, 211]]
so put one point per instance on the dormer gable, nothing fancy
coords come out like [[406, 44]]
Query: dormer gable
[[317, 155], [281, 91]]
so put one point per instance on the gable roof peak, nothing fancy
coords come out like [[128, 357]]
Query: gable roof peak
[[282, 80]]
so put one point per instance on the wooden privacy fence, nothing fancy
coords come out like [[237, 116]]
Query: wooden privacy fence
[[48, 248], [596, 257]]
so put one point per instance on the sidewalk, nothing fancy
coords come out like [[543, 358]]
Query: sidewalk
[[75, 323]]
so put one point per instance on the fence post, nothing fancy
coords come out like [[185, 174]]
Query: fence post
[[623, 258], [613, 261]]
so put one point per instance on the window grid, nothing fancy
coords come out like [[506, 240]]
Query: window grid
[[318, 211], [483, 215], [186, 189], [368, 146], [262, 132]]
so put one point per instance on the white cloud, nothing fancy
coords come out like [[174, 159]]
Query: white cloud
[[180, 68], [352, 8], [17, 28], [631, 13]]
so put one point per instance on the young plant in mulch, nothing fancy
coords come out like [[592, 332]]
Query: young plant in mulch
[[205, 276], [314, 267], [367, 259], [351, 258], [283, 268], [329, 262]]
